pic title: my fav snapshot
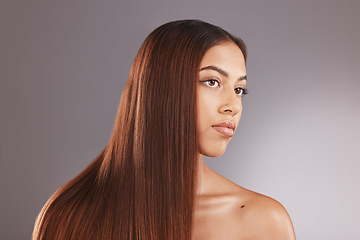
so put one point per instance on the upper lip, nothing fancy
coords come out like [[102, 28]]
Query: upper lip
[[228, 124]]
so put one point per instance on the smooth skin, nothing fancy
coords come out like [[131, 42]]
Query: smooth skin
[[223, 209]]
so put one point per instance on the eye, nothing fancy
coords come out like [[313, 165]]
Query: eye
[[241, 91], [212, 82]]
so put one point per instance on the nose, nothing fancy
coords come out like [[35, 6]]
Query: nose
[[231, 104]]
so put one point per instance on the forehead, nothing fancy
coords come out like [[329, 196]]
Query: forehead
[[227, 56]]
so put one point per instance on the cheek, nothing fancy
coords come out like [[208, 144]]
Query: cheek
[[211, 144], [206, 110]]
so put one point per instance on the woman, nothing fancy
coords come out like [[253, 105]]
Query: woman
[[182, 101]]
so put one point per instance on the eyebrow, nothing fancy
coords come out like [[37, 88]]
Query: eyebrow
[[221, 71]]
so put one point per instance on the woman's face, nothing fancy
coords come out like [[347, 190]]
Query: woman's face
[[222, 78]]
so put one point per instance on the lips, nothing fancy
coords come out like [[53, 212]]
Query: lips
[[226, 128]]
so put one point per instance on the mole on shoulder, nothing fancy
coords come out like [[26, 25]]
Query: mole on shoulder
[[242, 206]]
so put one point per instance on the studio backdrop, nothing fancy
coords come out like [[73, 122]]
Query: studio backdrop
[[64, 64]]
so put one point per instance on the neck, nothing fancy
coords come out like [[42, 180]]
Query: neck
[[203, 176]]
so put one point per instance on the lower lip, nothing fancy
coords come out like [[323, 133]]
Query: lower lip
[[227, 132]]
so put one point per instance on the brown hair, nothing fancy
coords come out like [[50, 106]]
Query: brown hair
[[143, 184]]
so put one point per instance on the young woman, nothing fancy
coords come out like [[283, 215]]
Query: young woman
[[182, 101]]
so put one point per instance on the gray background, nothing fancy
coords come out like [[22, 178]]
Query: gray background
[[64, 65]]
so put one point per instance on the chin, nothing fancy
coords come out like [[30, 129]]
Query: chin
[[213, 152]]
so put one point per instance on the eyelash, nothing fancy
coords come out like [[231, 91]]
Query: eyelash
[[244, 90]]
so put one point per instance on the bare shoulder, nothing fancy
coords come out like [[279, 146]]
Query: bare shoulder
[[240, 213], [264, 217]]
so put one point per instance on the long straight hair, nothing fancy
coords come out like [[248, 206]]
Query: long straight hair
[[143, 184]]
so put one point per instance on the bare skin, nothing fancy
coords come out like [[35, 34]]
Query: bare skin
[[223, 209]]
